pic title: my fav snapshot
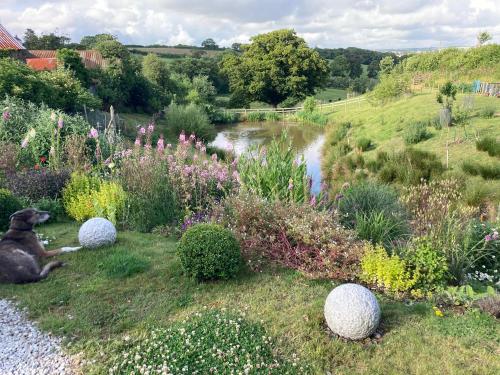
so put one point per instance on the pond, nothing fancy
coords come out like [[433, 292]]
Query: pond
[[307, 140]]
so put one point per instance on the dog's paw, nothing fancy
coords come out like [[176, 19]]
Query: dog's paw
[[68, 249]]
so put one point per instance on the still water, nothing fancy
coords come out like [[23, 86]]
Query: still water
[[307, 140]]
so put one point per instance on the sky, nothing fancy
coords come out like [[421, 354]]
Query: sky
[[374, 24]]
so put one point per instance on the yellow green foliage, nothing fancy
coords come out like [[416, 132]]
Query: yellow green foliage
[[387, 272], [85, 197]]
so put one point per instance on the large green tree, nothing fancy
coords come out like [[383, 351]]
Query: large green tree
[[275, 66], [45, 41]]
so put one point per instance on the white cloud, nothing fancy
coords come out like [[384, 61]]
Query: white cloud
[[325, 23]]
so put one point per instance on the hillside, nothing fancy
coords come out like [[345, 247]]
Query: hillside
[[385, 127]]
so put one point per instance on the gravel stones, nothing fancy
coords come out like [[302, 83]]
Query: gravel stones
[[25, 350]]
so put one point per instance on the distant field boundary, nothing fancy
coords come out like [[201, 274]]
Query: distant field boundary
[[322, 107]]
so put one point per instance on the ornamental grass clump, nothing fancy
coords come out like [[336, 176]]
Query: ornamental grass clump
[[208, 252], [274, 172], [207, 342]]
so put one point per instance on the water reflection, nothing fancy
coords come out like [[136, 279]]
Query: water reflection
[[306, 140]]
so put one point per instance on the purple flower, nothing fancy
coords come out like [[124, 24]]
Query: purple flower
[[93, 133], [142, 130], [6, 115], [214, 157], [182, 137], [60, 122], [488, 238], [151, 127], [137, 141], [339, 197]]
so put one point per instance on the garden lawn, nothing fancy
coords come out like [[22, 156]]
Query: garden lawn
[[105, 294]]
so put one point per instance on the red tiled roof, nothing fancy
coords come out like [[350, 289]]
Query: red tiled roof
[[7, 41], [91, 59], [42, 63]]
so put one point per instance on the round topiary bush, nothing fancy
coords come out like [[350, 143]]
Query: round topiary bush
[[97, 232], [208, 251], [8, 205], [352, 311]]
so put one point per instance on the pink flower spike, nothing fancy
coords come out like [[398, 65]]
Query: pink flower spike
[[151, 128], [192, 137], [142, 130], [214, 157], [160, 146], [93, 133], [137, 141], [182, 137], [60, 122], [312, 202], [6, 115]]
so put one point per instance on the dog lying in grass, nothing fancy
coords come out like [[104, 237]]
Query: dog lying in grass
[[21, 251]]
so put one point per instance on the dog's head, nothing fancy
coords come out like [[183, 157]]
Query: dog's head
[[29, 217]]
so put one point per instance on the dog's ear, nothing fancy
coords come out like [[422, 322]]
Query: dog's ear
[[17, 213]]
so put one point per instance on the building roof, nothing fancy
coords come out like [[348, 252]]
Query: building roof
[[92, 59], [7, 41], [42, 63]]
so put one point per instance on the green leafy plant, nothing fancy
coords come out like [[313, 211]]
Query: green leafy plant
[[388, 272], [364, 144], [378, 227], [416, 133], [209, 251], [212, 341], [274, 172], [8, 205]]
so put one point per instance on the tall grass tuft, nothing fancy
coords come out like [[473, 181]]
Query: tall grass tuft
[[415, 133], [486, 171], [274, 172], [255, 116], [489, 145]]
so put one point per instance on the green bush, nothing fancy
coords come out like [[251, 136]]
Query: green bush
[[208, 251], [489, 145], [190, 119], [486, 171], [415, 133], [120, 265], [487, 112], [408, 167], [390, 87], [364, 144], [213, 341], [388, 272], [8, 205], [255, 116], [427, 263]]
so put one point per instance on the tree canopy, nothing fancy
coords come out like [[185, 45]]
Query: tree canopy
[[45, 41], [209, 44], [273, 67]]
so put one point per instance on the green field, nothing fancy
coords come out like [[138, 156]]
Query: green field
[[93, 307], [385, 125]]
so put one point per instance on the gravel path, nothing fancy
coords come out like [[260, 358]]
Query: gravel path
[[25, 350]]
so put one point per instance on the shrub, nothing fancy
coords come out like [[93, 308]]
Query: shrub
[[256, 116], [364, 144], [486, 171], [487, 112], [8, 205], [226, 343], [390, 87], [387, 272], [409, 167], [415, 133], [427, 263], [309, 104], [294, 235], [36, 185], [190, 119], [489, 145], [120, 265], [54, 206], [274, 172], [86, 196], [208, 251]]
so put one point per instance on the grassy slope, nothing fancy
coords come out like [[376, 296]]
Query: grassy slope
[[81, 302], [384, 125]]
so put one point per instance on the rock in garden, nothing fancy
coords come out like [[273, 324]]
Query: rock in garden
[[352, 311], [97, 232]]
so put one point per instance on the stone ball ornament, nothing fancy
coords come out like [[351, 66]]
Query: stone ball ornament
[[352, 311], [97, 232]]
